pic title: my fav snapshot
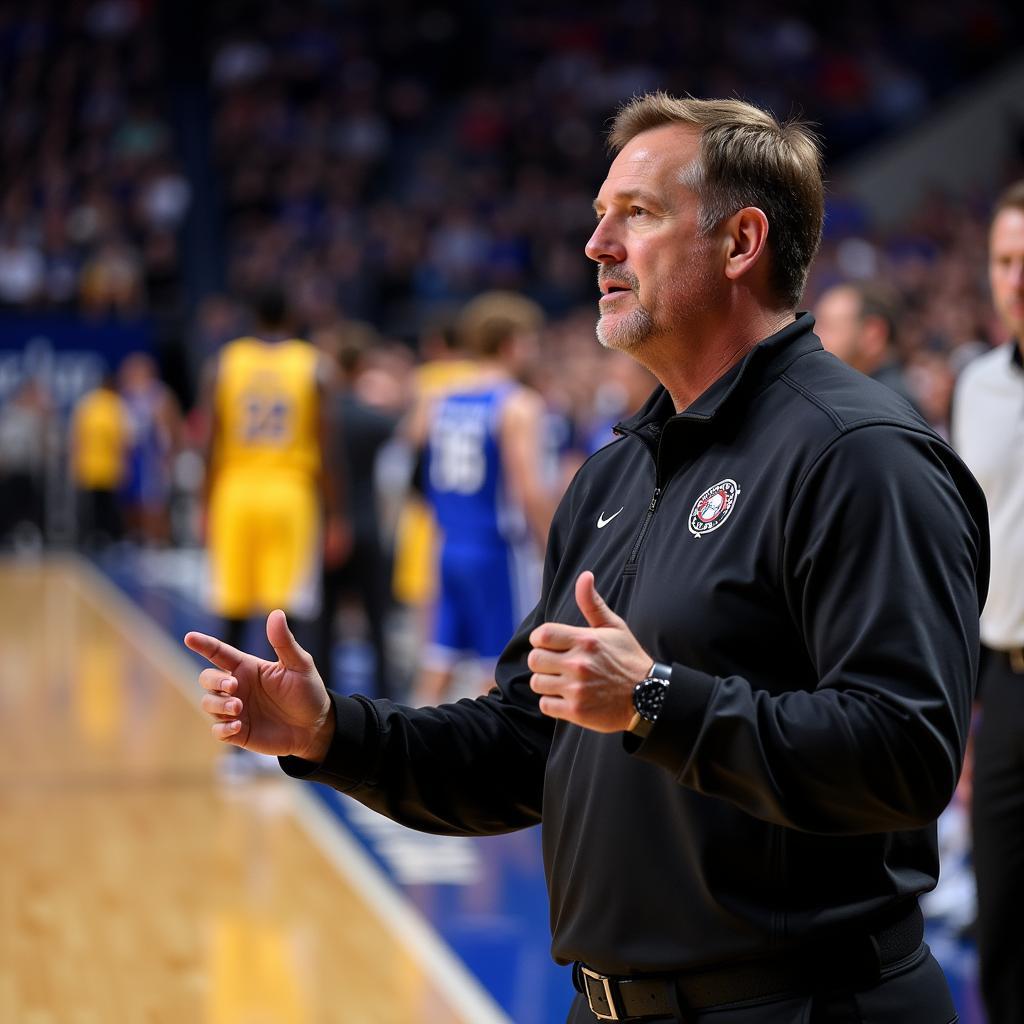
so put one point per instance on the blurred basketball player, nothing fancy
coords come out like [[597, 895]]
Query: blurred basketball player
[[273, 507], [484, 480], [156, 430], [101, 434]]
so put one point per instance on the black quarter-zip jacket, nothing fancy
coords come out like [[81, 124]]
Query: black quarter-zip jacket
[[811, 560]]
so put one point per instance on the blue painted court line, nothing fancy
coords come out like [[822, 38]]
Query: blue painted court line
[[485, 897]]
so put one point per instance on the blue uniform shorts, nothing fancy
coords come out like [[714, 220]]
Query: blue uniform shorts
[[480, 599]]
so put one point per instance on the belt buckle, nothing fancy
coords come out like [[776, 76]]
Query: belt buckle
[[1016, 655], [605, 990]]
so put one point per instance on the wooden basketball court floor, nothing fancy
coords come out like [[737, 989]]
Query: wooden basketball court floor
[[137, 886]]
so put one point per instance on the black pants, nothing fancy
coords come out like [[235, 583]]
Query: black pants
[[99, 518], [998, 821], [364, 575], [20, 502], [916, 993]]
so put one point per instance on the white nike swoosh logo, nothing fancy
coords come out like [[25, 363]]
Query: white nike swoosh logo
[[602, 522]]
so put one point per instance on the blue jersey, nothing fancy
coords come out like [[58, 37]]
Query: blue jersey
[[465, 478], [488, 571]]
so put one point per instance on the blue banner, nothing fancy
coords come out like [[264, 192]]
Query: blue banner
[[66, 355]]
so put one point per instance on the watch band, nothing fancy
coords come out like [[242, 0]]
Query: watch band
[[659, 670], [643, 719]]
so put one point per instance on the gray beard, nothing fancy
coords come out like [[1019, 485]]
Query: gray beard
[[630, 332]]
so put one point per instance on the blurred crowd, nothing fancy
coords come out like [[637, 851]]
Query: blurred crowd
[[386, 162], [92, 193], [390, 160]]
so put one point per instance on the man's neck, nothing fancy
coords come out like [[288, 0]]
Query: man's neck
[[688, 365]]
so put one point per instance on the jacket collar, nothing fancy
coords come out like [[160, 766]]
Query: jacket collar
[[764, 363]]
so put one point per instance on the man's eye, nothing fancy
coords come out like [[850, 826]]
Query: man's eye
[[637, 211]]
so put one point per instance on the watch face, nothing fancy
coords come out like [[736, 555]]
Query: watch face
[[648, 697]]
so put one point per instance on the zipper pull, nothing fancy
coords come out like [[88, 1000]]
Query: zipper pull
[[654, 501]]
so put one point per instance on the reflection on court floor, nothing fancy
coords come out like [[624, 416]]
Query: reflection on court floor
[[140, 886]]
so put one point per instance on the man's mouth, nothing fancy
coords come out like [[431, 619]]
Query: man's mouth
[[612, 289]]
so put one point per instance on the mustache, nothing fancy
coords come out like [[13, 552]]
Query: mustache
[[621, 275]]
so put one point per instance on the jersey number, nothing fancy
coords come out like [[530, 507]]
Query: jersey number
[[458, 463], [266, 419]]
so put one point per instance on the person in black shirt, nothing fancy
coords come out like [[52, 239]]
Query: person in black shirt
[[743, 698], [858, 322], [364, 431]]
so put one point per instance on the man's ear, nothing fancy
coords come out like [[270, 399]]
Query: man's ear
[[746, 233]]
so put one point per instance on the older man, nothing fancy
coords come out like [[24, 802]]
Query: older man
[[743, 698]]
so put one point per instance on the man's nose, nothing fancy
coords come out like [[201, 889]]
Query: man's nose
[[604, 245]]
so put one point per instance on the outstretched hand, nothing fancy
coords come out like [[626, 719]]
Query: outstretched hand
[[586, 674], [272, 707]]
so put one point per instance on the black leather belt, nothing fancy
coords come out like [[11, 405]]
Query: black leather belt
[[837, 964]]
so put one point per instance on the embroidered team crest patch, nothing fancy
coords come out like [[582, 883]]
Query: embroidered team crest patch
[[713, 507]]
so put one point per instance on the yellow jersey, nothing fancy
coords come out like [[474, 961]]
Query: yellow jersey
[[100, 436], [440, 376], [267, 407]]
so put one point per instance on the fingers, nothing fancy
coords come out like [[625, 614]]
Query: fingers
[[546, 662], [549, 685], [219, 703], [221, 654], [552, 690], [214, 680], [289, 653], [228, 732], [220, 706], [592, 604], [554, 707], [555, 636]]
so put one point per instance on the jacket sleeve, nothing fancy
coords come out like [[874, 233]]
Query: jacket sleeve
[[884, 568], [475, 767]]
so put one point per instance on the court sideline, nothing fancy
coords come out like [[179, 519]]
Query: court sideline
[[140, 887]]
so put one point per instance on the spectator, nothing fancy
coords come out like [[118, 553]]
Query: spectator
[[23, 436], [859, 322]]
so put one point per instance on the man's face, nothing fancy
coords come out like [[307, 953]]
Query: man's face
[[837, 322], [656, 273], [1006, 268]]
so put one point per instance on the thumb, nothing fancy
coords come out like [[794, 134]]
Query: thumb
[[592, 604], [288, 652]]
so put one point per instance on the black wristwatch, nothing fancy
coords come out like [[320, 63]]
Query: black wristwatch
[[648, 698]]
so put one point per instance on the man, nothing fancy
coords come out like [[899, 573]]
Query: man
[[24, 421], [156, 433], [268, 483], [443, 367], [365, 430], [858, 322], [101, 438], [988, 431], [484, 481], [739, 744]]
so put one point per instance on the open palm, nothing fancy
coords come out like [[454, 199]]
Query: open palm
[[272, 707]]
